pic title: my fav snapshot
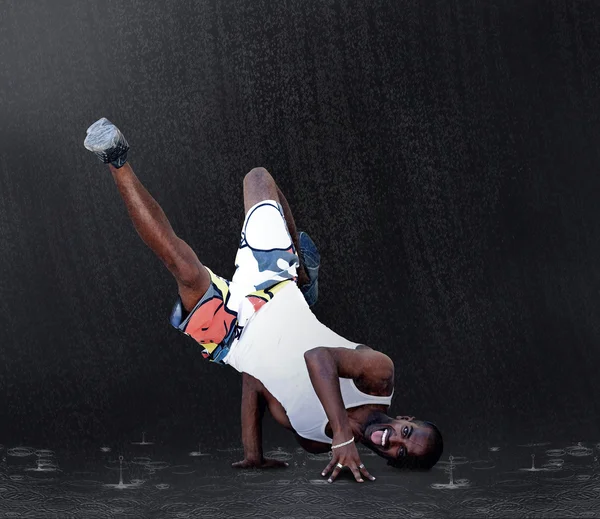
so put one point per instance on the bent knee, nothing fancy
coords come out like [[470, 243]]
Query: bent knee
[[258, 186], [258, 176]]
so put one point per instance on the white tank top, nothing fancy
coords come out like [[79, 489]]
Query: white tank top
[[272, 349]]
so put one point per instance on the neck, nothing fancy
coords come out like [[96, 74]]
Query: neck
[[363, 416]]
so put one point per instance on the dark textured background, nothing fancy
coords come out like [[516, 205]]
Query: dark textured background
[[443, 155]]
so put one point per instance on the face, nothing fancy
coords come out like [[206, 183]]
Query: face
[[396, 438]]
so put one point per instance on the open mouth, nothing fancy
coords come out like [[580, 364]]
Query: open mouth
[[381, 437]]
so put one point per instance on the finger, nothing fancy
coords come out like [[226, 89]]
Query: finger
[[328, 468], [334, 474], [365, 472], [357, 474], [239, 465]]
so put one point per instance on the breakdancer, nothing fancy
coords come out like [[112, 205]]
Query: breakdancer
[[330, 392]]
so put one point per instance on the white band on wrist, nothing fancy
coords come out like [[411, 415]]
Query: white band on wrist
[[342, 444]]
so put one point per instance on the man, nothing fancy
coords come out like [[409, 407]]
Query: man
[[328, 391]]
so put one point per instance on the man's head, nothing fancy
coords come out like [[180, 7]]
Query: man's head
[[403, 441]]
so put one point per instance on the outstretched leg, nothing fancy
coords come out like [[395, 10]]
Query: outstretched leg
[[149, 220], [154, 228]]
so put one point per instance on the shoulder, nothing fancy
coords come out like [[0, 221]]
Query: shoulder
[[375, 362], [252, 382], [377, 375]]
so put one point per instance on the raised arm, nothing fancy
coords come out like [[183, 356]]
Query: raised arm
[[155, 230], [253, 410], [325, 367]]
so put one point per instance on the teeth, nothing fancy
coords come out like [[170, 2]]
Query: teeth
[[385, 433]]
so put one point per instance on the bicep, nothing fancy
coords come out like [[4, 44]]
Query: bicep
[[360, 363], [253, 400], [251, 388]]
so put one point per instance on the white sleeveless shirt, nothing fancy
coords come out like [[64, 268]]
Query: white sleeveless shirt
[[271, 349]]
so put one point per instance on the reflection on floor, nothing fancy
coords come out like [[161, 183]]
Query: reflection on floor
[[146, 480]]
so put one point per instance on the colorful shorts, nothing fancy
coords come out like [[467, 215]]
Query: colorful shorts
[[266, 261]]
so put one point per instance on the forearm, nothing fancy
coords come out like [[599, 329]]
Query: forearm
[[253, 409], [147, 216], [323, 372]]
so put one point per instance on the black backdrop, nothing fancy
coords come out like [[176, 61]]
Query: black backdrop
[[443, 155]]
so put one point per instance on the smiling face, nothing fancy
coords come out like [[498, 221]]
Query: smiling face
[[400, 440]]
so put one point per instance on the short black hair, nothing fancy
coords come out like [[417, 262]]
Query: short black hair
[[427, 460]]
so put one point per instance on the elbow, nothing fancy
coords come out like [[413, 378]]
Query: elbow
[[314, 354], [319, 360]]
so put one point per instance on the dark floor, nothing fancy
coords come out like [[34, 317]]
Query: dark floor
[[534, 480], [443, 156]]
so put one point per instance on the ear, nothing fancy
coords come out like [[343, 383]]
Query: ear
[[407, 418]]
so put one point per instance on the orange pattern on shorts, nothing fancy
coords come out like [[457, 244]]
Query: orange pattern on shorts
[[257, 302], [212, 323]]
